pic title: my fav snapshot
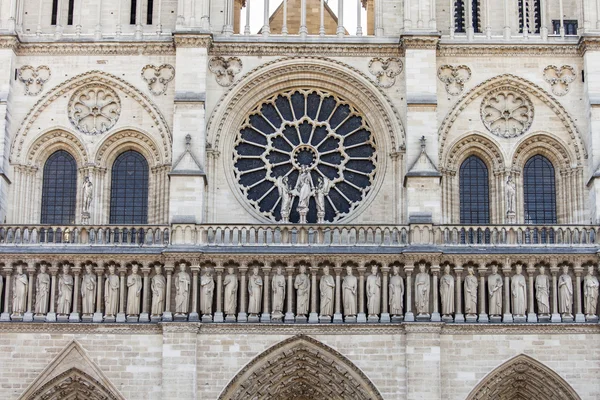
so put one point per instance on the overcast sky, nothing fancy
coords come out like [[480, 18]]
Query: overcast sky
[[257, 7]]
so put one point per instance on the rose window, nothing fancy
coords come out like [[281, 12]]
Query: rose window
[[506, 112], [305, 155], [94, 109]]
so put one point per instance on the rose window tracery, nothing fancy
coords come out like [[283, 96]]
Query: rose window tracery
[[94, 109], [307, 152], [507, 112]]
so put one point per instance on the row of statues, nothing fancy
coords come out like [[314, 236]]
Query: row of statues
[[124, 294]]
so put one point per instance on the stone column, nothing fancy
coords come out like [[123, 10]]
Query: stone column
[[242, 314], [74, 317], [289, 315], [507, 316], [145, 315], [423, 349], [435, 315], [531, 315], [458, 314], [5, 316], [337, 316], [219, 311], [28, 316], [168, 314], [266, 314], [195, 268], [579, 316], [483, 317], [409, 316], [98, 314], [385, 315], [121, 317], [313, 317], [361, 316], [555, 315]]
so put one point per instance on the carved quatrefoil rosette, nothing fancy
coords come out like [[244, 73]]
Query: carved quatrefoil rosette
[[158, 78], [385, 70], [34, 78], [94, 109], [559, 78], [225, 69], [507, 112], [454, 78], [309, 129]]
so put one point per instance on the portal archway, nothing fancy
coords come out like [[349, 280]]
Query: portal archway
[[300, 368]]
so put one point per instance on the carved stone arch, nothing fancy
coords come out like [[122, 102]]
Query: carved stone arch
[[477, 144], [544, 144], [128, 139], [92, 77], [72, 375], [302, 368], [523, 377], [54, 140], [523, 85]]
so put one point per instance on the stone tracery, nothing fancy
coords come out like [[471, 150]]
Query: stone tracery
[[507, 112], [94, 109]]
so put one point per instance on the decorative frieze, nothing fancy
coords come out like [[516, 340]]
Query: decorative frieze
[[94, 109], [385, 70], [454, 78], [158, 77], [559, 78], [225, 69], [34, 78]]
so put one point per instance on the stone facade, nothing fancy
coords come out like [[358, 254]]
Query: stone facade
[[304, 229]]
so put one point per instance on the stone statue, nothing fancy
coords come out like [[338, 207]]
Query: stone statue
[[565, 292], [518, 288], [111, 293], [20, 285], [304, 189], [396, 289], [447, 292], [422, 287], [134, 290], [285, 193], [278, 290], [373, 292], [65, 292], [158, 286], [511, 191], [470, 292], [542, 292], [88, 291], [321, 191], [230, 288], [88, 193], [349, 286], [495, 291], [327, 288], [255, 286], [302, 286], [42, 291], [182, 290], [1, 287], [207, 288], [590, 292]]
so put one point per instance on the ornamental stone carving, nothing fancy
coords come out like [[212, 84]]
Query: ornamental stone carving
[[207, 288], [327, 288], [302, 286], [255, 286], [559, 78], [42, 291], [111, 294], [385, 70], [33, 78], [565, 294], [225, 69], [158, 287], [495, 292], [396, 293], [447, 292], [349, 287], [88, 291], [470, 293], [590, 294], [94, 109], [134, 291], [507, 112], [65, 292], [230, 288], [519, 292], [182, 290], [542, 292], [373, 293], [19, 292], [158, 78], [454, 78], [305, 156], [422, 288], [278, 289]]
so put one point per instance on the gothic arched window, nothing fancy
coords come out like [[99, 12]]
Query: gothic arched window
[[59, 189], [539, 191], [129, 189], [474, 192]]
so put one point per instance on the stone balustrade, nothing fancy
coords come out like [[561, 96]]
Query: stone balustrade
[[293, 289]]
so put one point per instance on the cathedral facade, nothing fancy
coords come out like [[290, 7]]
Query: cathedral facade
[[299, 199]]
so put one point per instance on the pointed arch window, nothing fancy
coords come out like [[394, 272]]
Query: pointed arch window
[[474, 192], [129, 189], [539, 191], [59, 189]]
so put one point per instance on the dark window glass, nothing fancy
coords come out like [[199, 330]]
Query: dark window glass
[[59, 189], [460, 12], [539, 191], [132, 13], [149, 12], [570, 26], [54, 12], [474, 192], [533, 21], [70, 14], [129, 189]]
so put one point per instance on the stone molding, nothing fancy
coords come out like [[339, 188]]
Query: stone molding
[[192, 40], [74, 48], [475, 143], [420, 42], [506, 50], [306, 49]]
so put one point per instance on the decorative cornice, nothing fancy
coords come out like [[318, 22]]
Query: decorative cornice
[[519, 329], [192, 40], [70, 328], [9, 42], [506, 50], [588, 43], [306, 49], [294, 329], [420, 42], [112, 48]]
